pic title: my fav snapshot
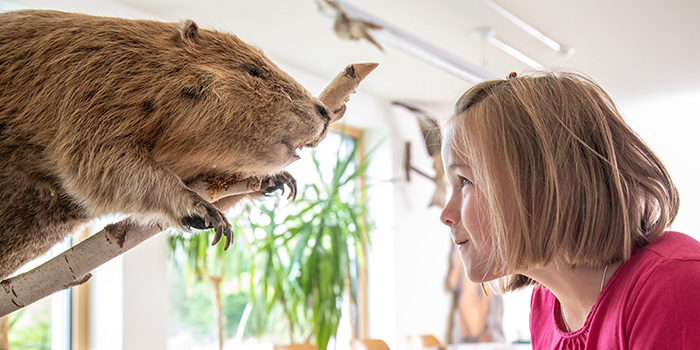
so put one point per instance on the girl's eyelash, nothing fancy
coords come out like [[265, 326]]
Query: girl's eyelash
[[464, 181]]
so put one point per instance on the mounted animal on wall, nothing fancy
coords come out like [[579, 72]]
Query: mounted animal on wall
[[432, 140]]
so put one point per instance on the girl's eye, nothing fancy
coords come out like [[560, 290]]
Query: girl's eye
[[464, 181]]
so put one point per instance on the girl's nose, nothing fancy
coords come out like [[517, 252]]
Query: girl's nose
[[447, 216]]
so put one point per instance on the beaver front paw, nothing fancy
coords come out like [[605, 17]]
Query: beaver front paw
[[206, 216], [276, 182]]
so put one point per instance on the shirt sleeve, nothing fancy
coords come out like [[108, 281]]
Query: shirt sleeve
[[665, 312]]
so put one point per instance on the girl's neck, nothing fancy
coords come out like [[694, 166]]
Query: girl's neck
[[577, 289]]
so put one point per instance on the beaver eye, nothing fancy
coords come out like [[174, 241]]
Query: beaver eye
[[254, 72]]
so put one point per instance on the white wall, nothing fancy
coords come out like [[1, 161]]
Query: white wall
[[419, 246], [670, 124], [129, 299], [145, 295]]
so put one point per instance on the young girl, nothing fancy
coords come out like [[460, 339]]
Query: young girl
[[550, 187]]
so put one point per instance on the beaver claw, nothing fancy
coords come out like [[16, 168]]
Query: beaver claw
[[277, 182], [223, 232], [212, 219]]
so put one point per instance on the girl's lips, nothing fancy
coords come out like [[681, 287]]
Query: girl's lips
[[462, 242]]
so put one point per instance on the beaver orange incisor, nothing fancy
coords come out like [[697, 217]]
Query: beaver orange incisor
[[107, 115]]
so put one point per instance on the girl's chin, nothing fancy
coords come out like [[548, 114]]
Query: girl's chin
[[477, 276], [479, 279], [480, 274]]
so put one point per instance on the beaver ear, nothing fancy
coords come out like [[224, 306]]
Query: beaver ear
[[187, 31]]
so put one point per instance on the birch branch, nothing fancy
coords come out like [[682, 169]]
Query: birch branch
[[338, 91], [73, 266]]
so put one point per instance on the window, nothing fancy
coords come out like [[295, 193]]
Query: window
[[192, 318]]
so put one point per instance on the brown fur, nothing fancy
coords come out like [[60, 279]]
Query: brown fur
[[106, 115]]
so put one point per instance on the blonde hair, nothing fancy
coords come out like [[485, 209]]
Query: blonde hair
[[562, 172]]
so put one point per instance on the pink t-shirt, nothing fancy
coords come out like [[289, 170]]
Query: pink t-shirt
[[651, 302]]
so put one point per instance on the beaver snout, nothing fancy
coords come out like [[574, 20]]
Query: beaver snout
[[326, 119]]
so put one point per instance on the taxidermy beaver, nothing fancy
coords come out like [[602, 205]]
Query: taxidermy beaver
[[107, 115]]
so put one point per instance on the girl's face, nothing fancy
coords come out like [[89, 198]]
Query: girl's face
[[466, 213]]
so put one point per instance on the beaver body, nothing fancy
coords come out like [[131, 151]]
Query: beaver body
[[107, 115]]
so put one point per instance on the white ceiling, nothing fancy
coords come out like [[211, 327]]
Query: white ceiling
[[634, 48]]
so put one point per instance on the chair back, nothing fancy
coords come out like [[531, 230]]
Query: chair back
[[368, 344], [300, 346], [423, 341]]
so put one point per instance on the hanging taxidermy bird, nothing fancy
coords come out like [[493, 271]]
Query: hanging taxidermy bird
[[346, 27], [433, 141]]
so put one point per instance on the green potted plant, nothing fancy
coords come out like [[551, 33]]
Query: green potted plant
[[298, 258], [302, 261]]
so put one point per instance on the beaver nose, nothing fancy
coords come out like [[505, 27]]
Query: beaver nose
[[322, 112]]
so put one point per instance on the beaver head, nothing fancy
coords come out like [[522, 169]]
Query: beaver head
[[229, 108]]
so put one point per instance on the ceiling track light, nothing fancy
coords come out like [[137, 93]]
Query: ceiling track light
[[489, 34], [557, 47]]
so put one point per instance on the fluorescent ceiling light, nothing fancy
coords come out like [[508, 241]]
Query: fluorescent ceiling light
[[489, 34], [514, 52], [559, 48]]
